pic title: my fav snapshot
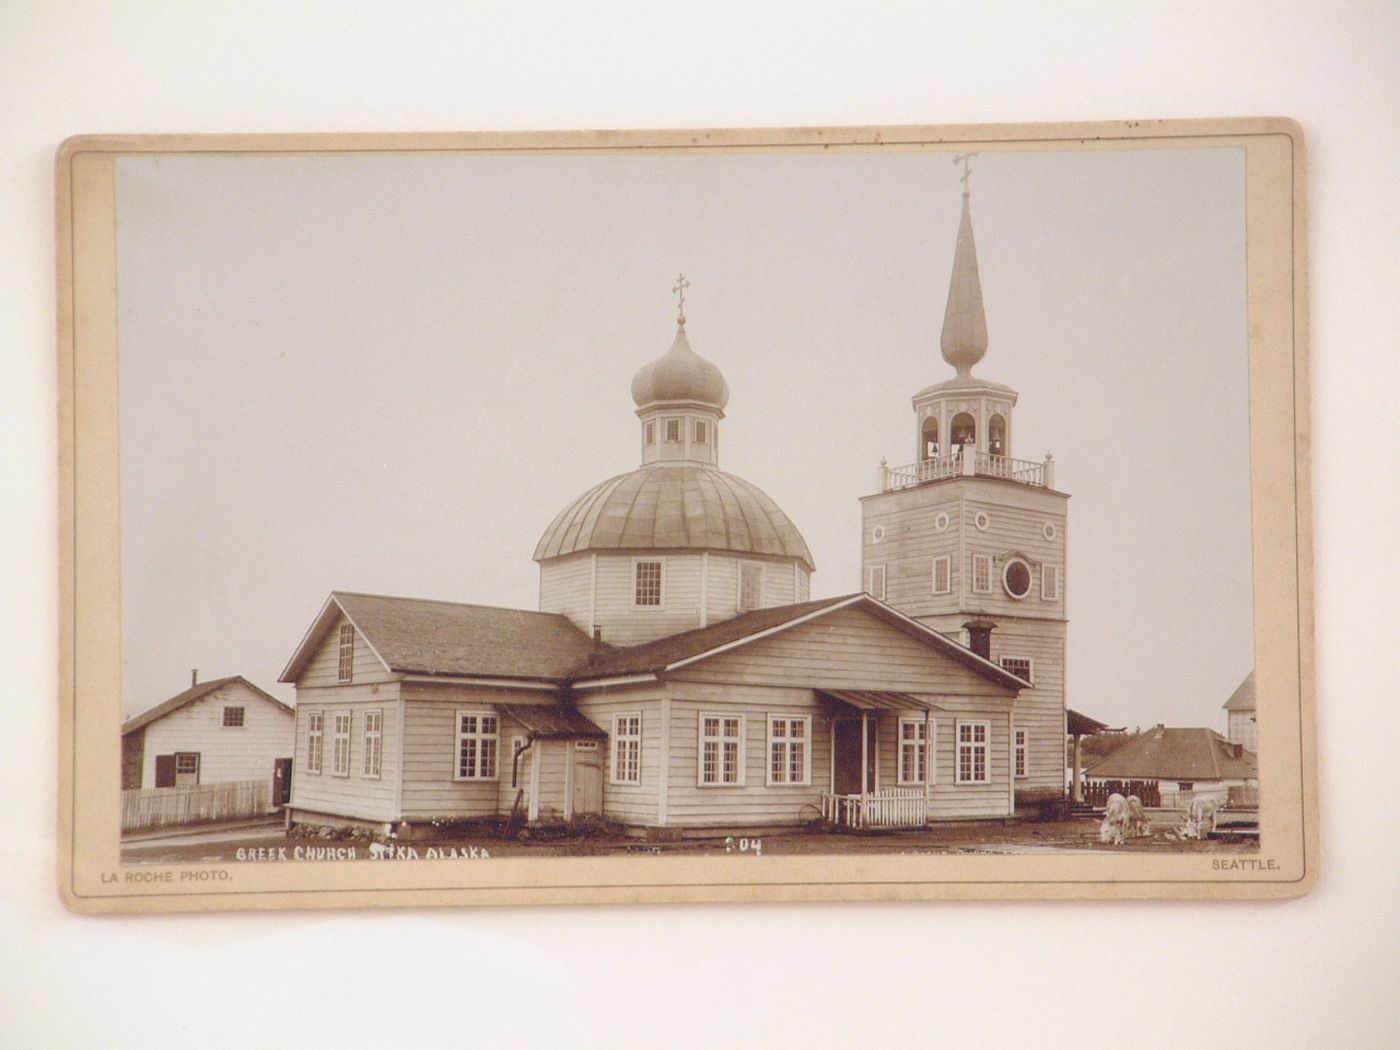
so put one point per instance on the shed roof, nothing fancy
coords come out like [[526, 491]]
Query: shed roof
[[189, 696], [1082, 725], [1178, 754], [1242, 699], [879, 700], [549, 722]]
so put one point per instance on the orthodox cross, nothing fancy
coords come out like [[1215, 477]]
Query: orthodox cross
[[963, 159], [681, 285]]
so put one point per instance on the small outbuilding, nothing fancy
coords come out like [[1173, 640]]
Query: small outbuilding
[[1185, 763]]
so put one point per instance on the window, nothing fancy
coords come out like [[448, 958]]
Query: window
[[649, 433], [477, 738], [788, 753], [1050, 583], [972, 752], [750, 587], [1016, 578], [374, 742], [702, 432], [1020, 666], [943, 574], [913, 751], [340, 744], [721, 758], [876, 587], [314, 723], [345, 669], [673, 429], [646, 583], [233, 716], [1021, 753], [627, 748], [982, 573]]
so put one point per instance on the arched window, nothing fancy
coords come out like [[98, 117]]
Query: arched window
[[930, 432], [964, 430], [996, 435]]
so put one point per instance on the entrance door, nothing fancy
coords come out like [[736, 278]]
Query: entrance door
[[847, 751], [186, 768], [281, 782], [588, 777]]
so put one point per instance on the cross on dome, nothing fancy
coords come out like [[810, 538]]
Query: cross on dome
[[965, 160], [680, 286]]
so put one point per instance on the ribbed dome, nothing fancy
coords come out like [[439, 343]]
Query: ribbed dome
[[680, 374], [674, 508]]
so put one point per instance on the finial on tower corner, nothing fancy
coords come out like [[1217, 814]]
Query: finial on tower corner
[[680, 286]]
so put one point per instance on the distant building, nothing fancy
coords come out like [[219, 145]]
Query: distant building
[[1241, 726], [1185, 763], [215, 732]]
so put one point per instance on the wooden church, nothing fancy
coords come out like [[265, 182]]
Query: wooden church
[[678, 679]]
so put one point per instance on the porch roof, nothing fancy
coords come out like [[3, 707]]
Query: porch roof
[[544, 722], [878, 700]]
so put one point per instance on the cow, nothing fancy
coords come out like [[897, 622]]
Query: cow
[[1200, 818], [1138, 826], [1115, 820]]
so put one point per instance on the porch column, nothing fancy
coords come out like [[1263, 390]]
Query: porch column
[[928, 760], [864, 759], [831, 737], [1076, 790]]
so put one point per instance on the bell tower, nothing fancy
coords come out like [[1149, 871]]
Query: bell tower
[[972, 541]]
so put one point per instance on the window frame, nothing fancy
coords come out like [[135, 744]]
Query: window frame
[[1006, 568], [921, 744], [700, 432], [973, 745], [883, 570], [740, 739], [337, 737], [616, 739], [315, 741], [946, 561], [739, 598], [372, 744], [1020, 752], [667, 424], [786, 743], [979, 560], [240, 711], [1029, 661], [660, 602], [175, 765], [345, 654], [482, 737], [1049, 572], [649, 432]]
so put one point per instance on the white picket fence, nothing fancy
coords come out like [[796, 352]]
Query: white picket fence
[[158, 807], [888, 808]]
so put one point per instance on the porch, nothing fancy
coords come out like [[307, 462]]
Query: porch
[[855, 797]]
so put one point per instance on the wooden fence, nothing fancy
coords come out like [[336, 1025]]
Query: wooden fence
[[1147, 792], [158, 807], [890, 808]]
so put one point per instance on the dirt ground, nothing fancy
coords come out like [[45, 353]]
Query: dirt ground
[[271, 843]]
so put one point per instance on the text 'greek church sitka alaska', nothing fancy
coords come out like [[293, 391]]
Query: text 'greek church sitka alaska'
[[677, 678]]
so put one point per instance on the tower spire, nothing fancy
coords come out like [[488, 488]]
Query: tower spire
[[964, 338]]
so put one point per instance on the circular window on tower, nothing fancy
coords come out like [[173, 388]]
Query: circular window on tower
[[1050, 531], [941, 522], [981, 520], [1016, 578], [877, 534]]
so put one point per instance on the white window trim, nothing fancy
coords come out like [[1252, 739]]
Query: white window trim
[[806, 780], [1030, 581], [739, 584], [336, 737], [946, 560], [661, 603], [666, 422], [741, 768], [1030, 665], [242, 722], [615, 740], [1046, 573], [987, 559], [902, 774], [958, 746], [315, 732], [700, 431], [1020, 752], [377, 735], [457, 735], [870, 582], [345, 654]]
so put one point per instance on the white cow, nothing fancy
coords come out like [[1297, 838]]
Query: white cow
[[1200, 818], [1138, 826], [1115, 820]]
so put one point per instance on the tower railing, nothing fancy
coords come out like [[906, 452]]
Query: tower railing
[[967, 463]]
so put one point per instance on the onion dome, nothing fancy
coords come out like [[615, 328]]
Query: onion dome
[[964, 321], [680, 374], [665, 507]]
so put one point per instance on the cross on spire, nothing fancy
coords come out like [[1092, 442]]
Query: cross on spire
[[964, 159], [681, 285]]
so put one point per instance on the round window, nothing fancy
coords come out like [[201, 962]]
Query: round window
[[877, 534], [941, 522], [981, 520], [1016, 578], [1050, 531]]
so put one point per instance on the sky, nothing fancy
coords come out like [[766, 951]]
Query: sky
[[389, 373]]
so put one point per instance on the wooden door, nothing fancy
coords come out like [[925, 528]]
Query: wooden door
[[846, 750], [281, 781], [186, 768], [165, 771], [588, 777]]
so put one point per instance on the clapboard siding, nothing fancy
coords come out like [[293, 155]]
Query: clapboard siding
[[323, 668], [623, 623], [356, 795], [226, 753], [566, 588], [630, 803]]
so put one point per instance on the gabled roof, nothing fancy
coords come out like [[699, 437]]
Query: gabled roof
[[1242, 699], [189, 696], [1178, 754], [416, 636], [673, 651]]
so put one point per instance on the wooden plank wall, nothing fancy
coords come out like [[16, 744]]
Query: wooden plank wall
[[226, 753], [355, 795]]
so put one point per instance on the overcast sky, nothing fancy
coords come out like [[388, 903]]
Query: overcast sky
[[389, 373]]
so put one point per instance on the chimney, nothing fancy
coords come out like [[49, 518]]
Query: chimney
[[979, 637], [194, 676]]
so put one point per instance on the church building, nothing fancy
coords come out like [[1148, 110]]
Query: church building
[[678, 678]]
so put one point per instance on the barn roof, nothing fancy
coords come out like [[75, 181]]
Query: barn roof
[[189, 696], [1178, 754], [417, 636], [1242, 699]]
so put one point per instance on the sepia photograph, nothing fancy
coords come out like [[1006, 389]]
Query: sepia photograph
[[600, 505]]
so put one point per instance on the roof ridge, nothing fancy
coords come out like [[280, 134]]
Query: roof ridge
[[444, 601]]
